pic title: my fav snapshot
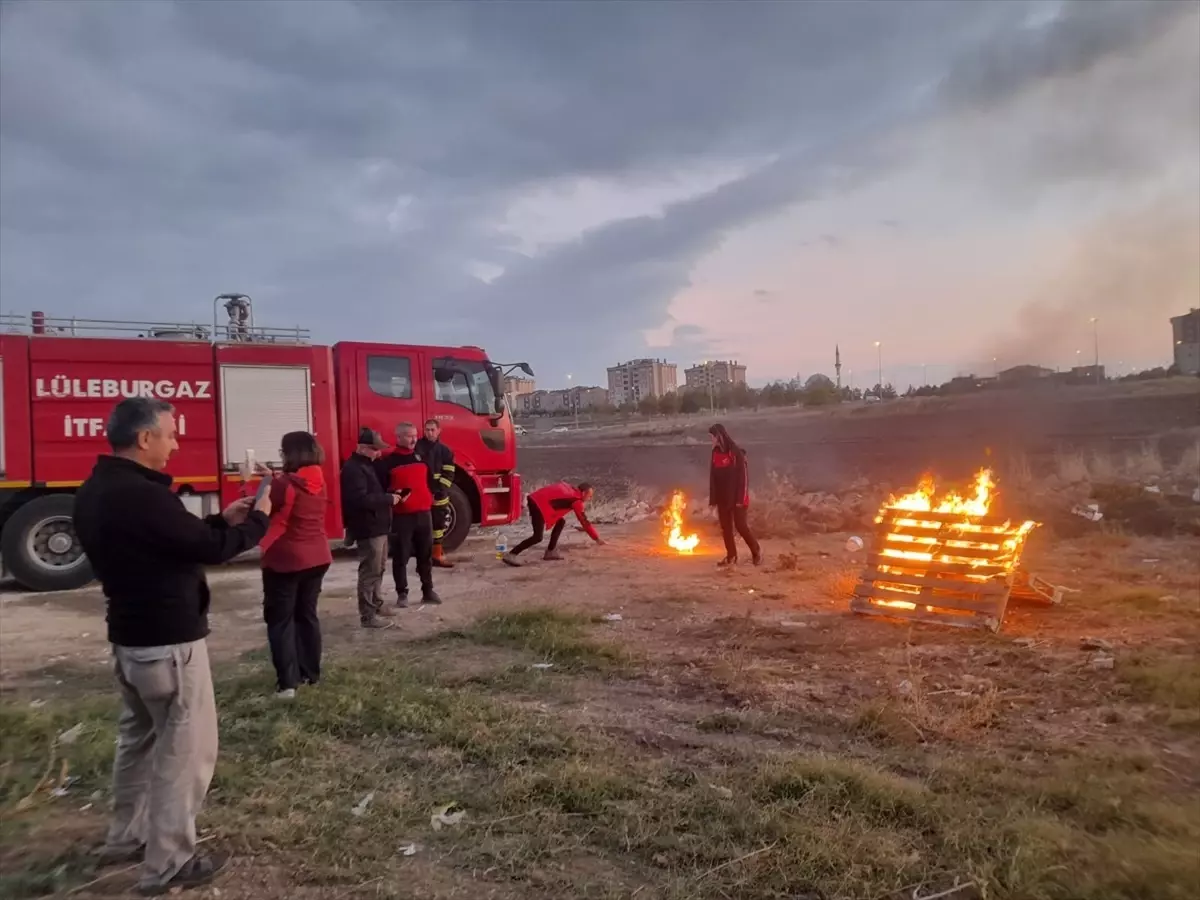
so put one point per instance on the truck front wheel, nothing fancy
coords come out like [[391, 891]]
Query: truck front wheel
[[458, 520], [40, 547]]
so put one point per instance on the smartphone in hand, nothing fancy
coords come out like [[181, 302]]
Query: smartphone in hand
[[263, 487]]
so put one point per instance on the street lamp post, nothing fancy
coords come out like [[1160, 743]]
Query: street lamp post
[[1096, 346], [573, 394], [879, 354]]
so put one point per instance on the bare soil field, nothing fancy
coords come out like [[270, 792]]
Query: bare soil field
[[892, 442], [630, 723]]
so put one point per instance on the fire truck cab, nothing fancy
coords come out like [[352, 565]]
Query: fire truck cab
[[236, 388]]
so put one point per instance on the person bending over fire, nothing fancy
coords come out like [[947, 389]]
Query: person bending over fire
[[549, 506], [729, 492]]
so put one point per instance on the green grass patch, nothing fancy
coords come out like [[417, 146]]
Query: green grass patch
[[550, 636], [1170, 684]]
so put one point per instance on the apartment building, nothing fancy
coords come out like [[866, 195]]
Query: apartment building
[[715, 374], [634, 381], [549, 403], [515, 389], [1185, 335]]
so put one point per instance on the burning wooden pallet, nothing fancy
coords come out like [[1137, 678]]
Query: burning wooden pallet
[[950, 562]]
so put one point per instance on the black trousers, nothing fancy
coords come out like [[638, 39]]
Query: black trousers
[[731, 518], [441, 515], [293, 630], [539, 530], [412, 538]]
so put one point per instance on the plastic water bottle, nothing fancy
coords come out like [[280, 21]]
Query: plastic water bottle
[[501, 544]]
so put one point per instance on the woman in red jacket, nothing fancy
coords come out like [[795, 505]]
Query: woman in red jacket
[[729, 492], [295, 558]]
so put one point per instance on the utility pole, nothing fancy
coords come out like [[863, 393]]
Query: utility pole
[[712, 407], [1096, 346]]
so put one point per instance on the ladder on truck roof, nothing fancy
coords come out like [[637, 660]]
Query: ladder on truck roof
[[240, 329]]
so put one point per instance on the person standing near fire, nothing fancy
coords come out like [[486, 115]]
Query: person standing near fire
[[404, 472], [440, 460], [549, 506], [729, 492]]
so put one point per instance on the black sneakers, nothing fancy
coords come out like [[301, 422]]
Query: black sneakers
[[198, 871]]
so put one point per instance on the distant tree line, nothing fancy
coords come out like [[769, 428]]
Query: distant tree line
[[817, 391]]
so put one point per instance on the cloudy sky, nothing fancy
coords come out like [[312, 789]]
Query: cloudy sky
[[578, 183]]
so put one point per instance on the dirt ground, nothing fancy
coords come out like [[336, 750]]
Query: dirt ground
[[754, 662], [825, 449]]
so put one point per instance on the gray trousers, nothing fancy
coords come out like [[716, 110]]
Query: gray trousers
[[166, 753], [372, 564]]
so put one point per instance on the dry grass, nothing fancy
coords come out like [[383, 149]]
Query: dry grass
[[1142, 465], [840, 585]]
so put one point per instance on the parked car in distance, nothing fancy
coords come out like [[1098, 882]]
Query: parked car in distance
[[560, 429]]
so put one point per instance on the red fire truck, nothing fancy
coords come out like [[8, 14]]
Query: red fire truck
[[237, 388]]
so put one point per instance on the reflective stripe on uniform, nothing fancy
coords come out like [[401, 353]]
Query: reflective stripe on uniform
[[449, 467], [445, 501], [438, 535], [446, 481]]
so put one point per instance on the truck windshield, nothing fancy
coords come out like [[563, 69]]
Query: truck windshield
[[466, 383]]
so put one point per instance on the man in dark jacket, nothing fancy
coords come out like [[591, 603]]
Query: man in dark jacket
[[148, 552], [440, 460], [403, 471], [367, 515]]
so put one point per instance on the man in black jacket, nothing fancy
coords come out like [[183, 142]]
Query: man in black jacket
[[149, 553], [367, 515]]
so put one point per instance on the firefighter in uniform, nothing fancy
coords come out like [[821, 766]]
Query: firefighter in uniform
[[440, 460]]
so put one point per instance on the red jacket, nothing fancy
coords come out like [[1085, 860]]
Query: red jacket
[[554, 501], [402, 469], [729, 478], [296, 537]]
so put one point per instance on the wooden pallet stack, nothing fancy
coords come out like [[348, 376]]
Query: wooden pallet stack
[[943, 568]]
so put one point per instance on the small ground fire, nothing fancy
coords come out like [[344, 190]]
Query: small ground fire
[[946, 559], [673, 525]]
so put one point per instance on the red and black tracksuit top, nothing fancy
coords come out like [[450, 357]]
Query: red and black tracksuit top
[[296, 538], [729, 478], [554, 501], [401, 469]]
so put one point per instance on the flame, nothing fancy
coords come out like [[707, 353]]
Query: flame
[[922, 499], [673, 525]]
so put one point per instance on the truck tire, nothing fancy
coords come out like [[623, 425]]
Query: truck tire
[[459, 524], [40, 547]]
